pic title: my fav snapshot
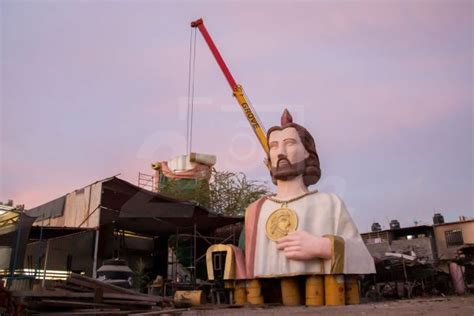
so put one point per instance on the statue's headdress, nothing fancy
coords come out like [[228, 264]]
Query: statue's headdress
[[312, 172], [286, 118]]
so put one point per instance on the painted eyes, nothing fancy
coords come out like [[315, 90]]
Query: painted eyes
[[286, 142]]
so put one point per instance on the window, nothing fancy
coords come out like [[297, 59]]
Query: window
[[453, 238]]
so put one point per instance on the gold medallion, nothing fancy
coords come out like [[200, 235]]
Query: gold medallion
[[280, 223]]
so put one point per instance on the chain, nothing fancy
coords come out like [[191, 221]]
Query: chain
[[285, 202]]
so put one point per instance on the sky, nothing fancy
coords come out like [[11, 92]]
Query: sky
[[91, 89]]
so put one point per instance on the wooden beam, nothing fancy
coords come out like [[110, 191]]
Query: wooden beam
[[164, 311]]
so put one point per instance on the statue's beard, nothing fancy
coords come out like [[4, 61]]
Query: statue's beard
[[285, 170]]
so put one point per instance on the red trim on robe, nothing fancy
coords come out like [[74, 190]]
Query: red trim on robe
[[251, 221]]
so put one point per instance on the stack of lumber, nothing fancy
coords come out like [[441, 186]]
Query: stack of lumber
[[81, 295], [7, 305]]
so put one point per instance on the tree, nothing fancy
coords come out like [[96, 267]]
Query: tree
[[228, 193], [231, 193]]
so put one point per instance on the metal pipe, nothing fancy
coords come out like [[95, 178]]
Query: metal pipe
[[46, 255], [15, 257], [96, 250], [194, 255]]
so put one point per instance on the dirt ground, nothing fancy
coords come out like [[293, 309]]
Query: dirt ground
[[443, 306]]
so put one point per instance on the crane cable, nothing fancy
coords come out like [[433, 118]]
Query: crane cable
[[190, 109]]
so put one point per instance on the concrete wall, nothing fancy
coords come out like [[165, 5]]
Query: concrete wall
[[449, 253], [423, 247], [379, 250]]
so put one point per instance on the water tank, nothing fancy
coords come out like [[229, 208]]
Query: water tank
[[116, 272], [438, 218], [376, 227], [394, 224]]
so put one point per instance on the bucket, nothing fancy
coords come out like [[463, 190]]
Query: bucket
[[315, 290]]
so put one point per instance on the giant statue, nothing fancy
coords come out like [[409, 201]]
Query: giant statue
[[298, 232]]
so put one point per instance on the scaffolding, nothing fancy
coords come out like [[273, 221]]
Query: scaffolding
[[175, 282], [147, 181]]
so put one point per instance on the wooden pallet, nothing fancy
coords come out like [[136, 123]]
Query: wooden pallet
[[81, 295]]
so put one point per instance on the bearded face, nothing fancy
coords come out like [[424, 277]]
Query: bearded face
[[285, 170], [287, 154]]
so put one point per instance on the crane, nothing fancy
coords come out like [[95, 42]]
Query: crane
[[237, 89]]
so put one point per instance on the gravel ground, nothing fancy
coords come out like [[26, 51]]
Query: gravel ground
[[450, 306]]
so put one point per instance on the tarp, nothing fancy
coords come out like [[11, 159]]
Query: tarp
[[140, 210], [133, 208], [50, 209], [14, 232]]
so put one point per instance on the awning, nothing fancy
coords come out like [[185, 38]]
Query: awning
[[152, 213]]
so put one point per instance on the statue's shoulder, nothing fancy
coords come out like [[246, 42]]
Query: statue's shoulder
[[259, 201], [325, 197], [256, 204]]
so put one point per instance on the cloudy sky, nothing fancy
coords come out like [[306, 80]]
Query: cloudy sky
[[90, 89]]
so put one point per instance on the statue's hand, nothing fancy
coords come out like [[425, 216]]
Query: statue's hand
[[301, 245]]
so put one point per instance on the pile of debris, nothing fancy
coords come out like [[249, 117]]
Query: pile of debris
[[81, 295], [405, 275], [7, 306]]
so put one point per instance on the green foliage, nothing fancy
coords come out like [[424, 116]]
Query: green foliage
[[187, 189], [231, 193], [140, 276], [228, 193]]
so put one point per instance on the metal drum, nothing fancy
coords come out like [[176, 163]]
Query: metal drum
[[315, 290], [290, 292], [254, 292], [352, 290], [334, 289]]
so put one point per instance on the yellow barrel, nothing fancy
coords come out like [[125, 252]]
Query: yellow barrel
[[334, 289], [352, 289], [254, 292], [290, 292], [315, 290], [188, 298], [240, 294]]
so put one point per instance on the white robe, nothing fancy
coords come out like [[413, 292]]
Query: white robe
[[318, 214]]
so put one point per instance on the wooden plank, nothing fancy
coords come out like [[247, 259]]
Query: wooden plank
[[57, 293], [164, 311], [90, 285], [123, 302], [67, 303], [93, 284], [85, 313], [98, 295], [106, 309], [133, 297], [72, 287], [67, 294]]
